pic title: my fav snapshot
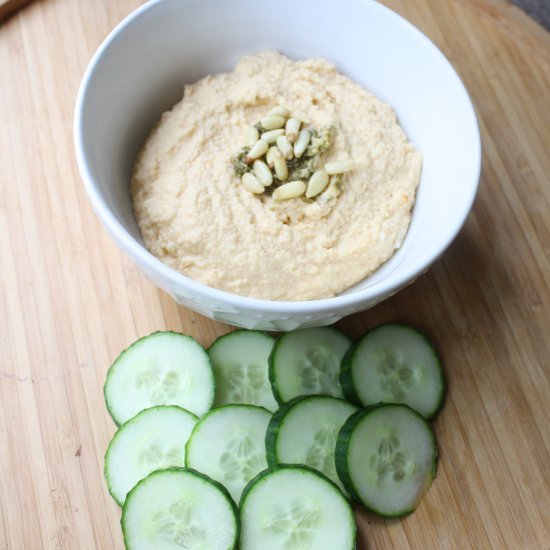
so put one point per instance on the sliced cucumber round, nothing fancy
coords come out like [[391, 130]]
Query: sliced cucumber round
[[307, 362], [394, 363], [386, 457], [179, 508], [295, 507], [164, 368], [228, 444], [240, 363], [153, 439], [304, 431]]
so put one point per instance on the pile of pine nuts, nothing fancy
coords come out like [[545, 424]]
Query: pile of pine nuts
[[275, 140]]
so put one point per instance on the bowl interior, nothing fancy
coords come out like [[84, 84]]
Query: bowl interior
[[141, 69]]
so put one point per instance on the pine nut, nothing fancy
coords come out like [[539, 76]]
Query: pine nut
[[281, 169], [289, 190], [317, 184], [301, 143], [270, 155], [284, 146], [273, 122], [251, 182], [280, 110], [263, 173], [251, 136], [257, 150], [272, 135], [340, 166], [292, 128]]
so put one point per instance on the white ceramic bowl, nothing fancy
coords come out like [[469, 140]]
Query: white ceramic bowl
[[140, 69]]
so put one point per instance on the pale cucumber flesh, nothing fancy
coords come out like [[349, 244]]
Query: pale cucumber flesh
[[179, 508], [291, 507], [228, 444], [154, 439], [164, 368], [395, 364], [306, 433], [307, 362], [386, 457], [240, 363]]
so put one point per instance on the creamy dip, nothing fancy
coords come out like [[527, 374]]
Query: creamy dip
[[196, 216]]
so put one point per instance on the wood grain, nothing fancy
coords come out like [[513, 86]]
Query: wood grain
[[70, 301], [7, 7]]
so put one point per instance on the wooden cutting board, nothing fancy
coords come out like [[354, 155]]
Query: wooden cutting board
[[70, 301], [7, 7]]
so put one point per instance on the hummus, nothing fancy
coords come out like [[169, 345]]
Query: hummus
[[197, 217]]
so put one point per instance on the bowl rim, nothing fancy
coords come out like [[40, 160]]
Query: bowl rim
[[175, 279]]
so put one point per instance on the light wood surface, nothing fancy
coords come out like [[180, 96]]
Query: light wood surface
[[70, 301]]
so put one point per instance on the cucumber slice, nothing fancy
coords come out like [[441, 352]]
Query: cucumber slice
[[304, 431], [394, 364], [228, 444], [240, 363], [386, 457], [307, 362], [164, 368], [153, 439], [295, 507], [179, 508]]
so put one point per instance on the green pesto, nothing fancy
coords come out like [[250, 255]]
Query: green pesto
[[321, 141], [240, 166]]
